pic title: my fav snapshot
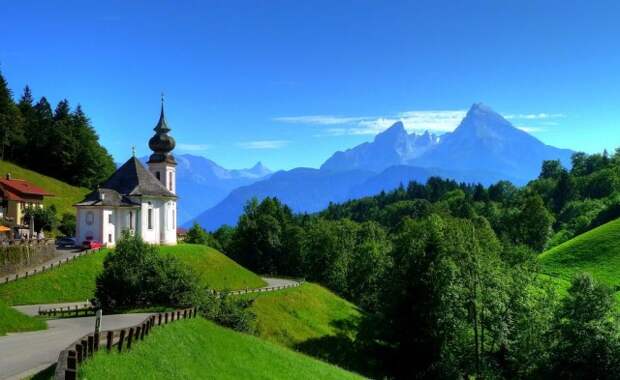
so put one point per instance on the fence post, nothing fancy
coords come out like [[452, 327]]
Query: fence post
[[185, 314], [130, 337], [121, 339], [178, 314], [142, 328], [91, 345], [97, 338], [71, 370], [109, 341], [84, 345], [78, 350], [159, 317]]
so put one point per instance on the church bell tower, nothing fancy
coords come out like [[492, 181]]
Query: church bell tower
[[162, 163]]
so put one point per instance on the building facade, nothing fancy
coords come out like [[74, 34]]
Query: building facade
[[16, 196], [135, 199]]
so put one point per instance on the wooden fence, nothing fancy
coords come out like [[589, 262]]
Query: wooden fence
[[85, 347], [265, 289], [47, 267], [69, 311]]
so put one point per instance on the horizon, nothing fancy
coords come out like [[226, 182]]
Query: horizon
[[289, 85]]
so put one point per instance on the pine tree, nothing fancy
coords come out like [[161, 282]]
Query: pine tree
[[11, 128]]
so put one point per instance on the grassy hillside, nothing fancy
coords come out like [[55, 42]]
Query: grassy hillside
[[214, 268], [65, 195], [596, 252], [13, 321], [310, 319], [199, 349], [75, 281]]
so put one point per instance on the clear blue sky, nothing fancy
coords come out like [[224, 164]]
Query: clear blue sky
[[290, 82]]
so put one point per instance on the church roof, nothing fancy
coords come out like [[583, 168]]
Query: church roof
[[131, 179]]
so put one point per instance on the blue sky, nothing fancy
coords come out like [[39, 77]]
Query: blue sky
[[290, 82]]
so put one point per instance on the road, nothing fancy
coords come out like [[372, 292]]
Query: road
[[24, 354]]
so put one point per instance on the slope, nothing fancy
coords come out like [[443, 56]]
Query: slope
[[64, 195], [199, 349], [596, 252], [313, 320], [75, 281], [12, 320]]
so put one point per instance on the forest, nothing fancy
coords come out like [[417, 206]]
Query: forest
[[59, 142], [447, 273]]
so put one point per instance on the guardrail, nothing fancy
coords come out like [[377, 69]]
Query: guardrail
[[85, 347], [265, 289], [46, 267]]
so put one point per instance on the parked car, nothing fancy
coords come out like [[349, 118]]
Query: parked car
[[66, 242], [91, 244]]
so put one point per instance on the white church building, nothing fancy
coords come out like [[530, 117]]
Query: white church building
[[135, 199]]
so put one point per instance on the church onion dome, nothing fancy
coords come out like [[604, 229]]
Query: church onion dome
[[162, 144]]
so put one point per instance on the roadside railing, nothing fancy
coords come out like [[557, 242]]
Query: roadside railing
[[122, 340], [46, 267], [69, 311], [265, 289]]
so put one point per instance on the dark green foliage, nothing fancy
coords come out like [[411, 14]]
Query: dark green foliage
[[61, 144], [135, 275], [67, 224], [231, 312], [197, 235], [44, 217], [586, 334]]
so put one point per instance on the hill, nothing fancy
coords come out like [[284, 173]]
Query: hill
[[64, 195], [313, 320], [197, 349], [596, 252], [75, 281]]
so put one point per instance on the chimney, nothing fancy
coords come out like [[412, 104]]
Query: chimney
[[8, 176]]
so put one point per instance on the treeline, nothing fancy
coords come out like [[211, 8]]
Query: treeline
[[59, 142], [447, 273]]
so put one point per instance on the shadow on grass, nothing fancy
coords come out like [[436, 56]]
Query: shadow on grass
[[46, 374], [342, 348]]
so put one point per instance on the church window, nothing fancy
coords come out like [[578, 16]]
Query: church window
[[109, 238], [90, 218], [110, 218], [158, 175], [131, 220], [150, 219]]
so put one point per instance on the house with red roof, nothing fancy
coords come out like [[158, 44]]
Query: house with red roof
[[16, 195]]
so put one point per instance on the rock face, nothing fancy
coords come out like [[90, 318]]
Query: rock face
[[484, 148], [390, 147], [486, 142]]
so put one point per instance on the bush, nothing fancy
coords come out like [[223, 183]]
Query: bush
[[229, 312], [67, 224], [135, 275], [197, 235]]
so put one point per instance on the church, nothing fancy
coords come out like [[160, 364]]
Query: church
[[135, 199]]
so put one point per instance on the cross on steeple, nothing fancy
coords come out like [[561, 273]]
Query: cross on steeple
[[133, 150]]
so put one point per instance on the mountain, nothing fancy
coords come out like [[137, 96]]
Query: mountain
[[484, 148], [303, 189], [486, 142], [202, 183], [391, 147]]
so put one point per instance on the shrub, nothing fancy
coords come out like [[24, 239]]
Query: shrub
[[135, 275], [67, 224], [229, 312]]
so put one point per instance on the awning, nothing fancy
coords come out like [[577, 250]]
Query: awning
[[4, 229]]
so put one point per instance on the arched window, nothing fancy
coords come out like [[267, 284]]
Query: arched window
[[149, 217], [158, 175]]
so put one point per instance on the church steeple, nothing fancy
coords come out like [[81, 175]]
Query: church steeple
[[162, 144]]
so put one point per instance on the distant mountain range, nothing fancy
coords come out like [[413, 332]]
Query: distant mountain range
[[202, 183], [484, 148]]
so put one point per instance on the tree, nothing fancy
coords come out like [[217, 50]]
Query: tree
[[67, 224], [551, 169], [11, 123], [586, 336], [531, 225], [197, 235], [44, 217]]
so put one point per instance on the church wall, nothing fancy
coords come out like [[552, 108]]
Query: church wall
[[89, 224]]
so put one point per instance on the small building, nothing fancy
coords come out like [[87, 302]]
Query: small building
[[135, 199], [17, 195]]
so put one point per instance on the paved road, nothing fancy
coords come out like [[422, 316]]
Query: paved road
[[272, 282], [24, 354], [33, 310]]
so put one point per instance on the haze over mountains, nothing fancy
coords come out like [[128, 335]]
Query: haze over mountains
[[484, 148]]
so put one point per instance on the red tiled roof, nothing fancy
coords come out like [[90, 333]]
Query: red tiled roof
[[21, 187]]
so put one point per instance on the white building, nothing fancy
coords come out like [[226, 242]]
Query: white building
[[135, 199]]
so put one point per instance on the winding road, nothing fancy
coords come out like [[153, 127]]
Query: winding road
[[25, 354]]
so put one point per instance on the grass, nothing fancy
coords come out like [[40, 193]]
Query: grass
[[215, 269], [12, 320], [313, 320], [70, 282], [596, 252], [75, 281], [65, 196], [199, 349]]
